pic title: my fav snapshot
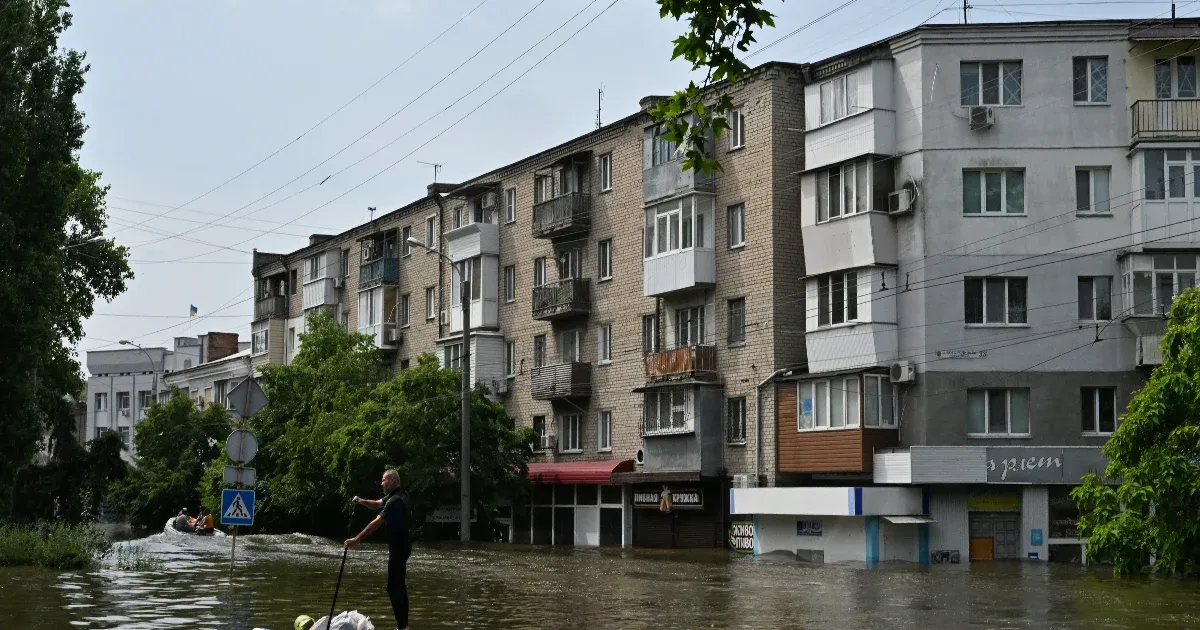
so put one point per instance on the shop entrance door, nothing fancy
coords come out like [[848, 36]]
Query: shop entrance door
[[994, 535]]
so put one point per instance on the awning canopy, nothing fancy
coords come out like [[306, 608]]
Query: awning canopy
[[908, 520], [578, 472]]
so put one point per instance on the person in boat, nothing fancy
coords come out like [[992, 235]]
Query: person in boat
[[204, 522], [393, 512], [182, 522]]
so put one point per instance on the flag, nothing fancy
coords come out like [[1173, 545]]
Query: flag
[[192, 310]]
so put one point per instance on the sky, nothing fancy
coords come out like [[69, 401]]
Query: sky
[[211, 121]]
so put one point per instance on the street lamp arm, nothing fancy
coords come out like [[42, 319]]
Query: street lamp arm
[[453, 265]]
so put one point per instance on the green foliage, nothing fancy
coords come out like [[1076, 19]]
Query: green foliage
[[717, 31], [49, 204], [175, 443], [58, 546], [1154, 512]]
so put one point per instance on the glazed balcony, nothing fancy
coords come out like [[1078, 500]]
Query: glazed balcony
[[698, 361], [561, 381], [564, 215], [274, 306], [562, 299]]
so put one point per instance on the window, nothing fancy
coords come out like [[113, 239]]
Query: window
[[690, 329], [220, 391], [604, 257], [405, 309], [1169, 174], [452, 356], [604, 343], [994, 192], [145, 399], [291, 343], [662, 150], [123, 433], [471, 269], [569, 429], [604, 431], [570, 264], [839, 98], [1153, 289], [510, 358], [737, 129], [878, 404], [458, 217], [258, 337], [430, 303], [1095, 298], [990, 83], [995, 300], [1091, 190], [676, 225], [737, 321], [1089, 79], [1175, 77], [314, 267], [292, 281], [539, 351], [1099, 409], [539, 429], [510, 205], [997, 412], [853, 187], [737, 225], [735, 420], [403, 364], [828, 404], [539, 271], [570, 344], [123, 400], [430, 231], [837, 298], [510, 283], [649, 334], [606, 172], [667, 410], [543, 188], [405, 246], [345, 263]]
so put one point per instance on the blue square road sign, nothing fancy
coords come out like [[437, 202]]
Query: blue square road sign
[[237, 507]]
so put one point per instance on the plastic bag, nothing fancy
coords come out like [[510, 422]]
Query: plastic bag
[[348, 620]]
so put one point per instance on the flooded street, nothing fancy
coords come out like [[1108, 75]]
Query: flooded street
[[279, 577]]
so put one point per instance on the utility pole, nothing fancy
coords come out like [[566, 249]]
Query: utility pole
[[465, 473], [965, 7]]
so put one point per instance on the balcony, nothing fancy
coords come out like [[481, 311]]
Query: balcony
[[562, 299], [378, 272], [473, 239], [848, 242], [679, 271], [1164, 119], [698, 361], [562, 216], [385, 336], [320, 292], [562, 381], [274, 306], [872, 132]]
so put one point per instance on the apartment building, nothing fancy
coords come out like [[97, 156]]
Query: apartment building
[[996, 218], [630, 312]]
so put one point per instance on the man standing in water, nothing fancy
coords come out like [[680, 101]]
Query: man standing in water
[[393, 509]]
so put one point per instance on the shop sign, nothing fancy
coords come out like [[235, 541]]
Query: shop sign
[[993, 502], [1035, 538], [1031, 464], [667, 499], [741, 536], [808, 528]]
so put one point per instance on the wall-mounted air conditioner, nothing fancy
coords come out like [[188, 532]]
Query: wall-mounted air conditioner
[[444, 317], [745, 480], [982, 118], [903, 372], [547, 442], [900, 201], [339, 282]]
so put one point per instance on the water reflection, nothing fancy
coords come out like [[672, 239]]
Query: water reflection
[[278, 577]]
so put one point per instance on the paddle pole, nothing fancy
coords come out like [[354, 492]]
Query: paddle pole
[[338, 587]]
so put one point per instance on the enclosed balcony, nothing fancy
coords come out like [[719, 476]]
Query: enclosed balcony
[[835, 424], [378, 272], [697, 361], [561, 381], [1165, 120], [562, 299], [663, 175], [565, 215], [320, 292], [272, 306], [385, 336]]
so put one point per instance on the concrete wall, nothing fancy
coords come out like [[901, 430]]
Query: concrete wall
[[1035, 514], [842, 539], [949, 530]]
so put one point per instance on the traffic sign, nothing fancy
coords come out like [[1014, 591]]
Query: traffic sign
[[244, 475], [241, 446], [247, 398], [237, 507]]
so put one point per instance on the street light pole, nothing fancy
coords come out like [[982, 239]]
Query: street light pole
[[464, 474]]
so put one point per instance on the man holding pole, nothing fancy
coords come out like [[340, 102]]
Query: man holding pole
[[393, 512]]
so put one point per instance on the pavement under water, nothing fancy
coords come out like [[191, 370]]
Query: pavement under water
[[278, 577]]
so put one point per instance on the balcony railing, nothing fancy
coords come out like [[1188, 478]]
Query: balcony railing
[[1166, 119], [565, 380], [698, 361], [564, 298], [562, 216], [274, 306], [380, 271]]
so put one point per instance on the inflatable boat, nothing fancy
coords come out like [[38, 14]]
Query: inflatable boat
[[169, 528]]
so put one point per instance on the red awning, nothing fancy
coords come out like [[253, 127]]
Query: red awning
[[578, 472]]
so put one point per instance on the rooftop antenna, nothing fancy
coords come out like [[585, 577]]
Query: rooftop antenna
[[437, 168], [371, 210], [599, 100]]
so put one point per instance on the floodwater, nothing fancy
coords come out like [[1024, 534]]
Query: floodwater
[[505, 586]]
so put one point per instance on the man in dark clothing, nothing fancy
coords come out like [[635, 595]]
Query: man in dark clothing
[[393, 512]]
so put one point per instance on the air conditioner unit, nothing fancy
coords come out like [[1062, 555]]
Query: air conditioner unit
[[499, 386], [982, 118], [444, 317], [339, 282], [900, 202], [745, 480], [547, 442], [391, 336], [125, 412], [903, 372], [640, 457]]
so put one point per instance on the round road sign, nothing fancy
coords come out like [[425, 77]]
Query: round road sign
[[241, 446]]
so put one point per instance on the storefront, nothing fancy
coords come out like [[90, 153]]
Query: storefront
[[575, 503], [677, 516]]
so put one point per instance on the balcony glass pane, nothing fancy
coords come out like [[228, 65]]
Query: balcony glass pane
[[862, 192], [837, 408], [1177, 185], [1014, 194], [1186, 77], [1155, 184], [1162, 78], [823, 301], [997, 406], [885, 396], [806, 406], [835, 183], [852, 402], [1018, 410], [871, 402], [1166, 291], [1185, 261], [839, 299], [1143, 293], [821, 400], [975, 411]]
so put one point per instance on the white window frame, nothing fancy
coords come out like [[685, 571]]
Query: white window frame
[[684, 226], [1089, 65], [570, 433], [431, 231], [662, 151], [145, 399], [679, 404], [606, 172], [1001, 95], [124, 401], [831, 185], [569, 344], [430, 303], [736, 215], [539, 351], [406, 310], [539, 271], [604, 431], [882, 388], [987, 410], [737, 129], [736, 334], [452, 356], [649, 334], [822, 392], [1098, 178], [260, 334], [510, 284], [827, 283], [735, 427], [1181, 277], [1008, 312], [314, 267], [604, 259], [838, 98], [539, 432], [291, 340], [510, 205], [510, 358], [975, 176], [604, 344], [405, 246], [1092, 300], [220, 391], [458, 217], [1095, 392]]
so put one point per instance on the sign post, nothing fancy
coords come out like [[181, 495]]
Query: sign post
[[237, 505]]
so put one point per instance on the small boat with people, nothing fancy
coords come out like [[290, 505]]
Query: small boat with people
[[201, 525]]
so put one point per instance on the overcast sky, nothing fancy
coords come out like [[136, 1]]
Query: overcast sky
[[184, 96]]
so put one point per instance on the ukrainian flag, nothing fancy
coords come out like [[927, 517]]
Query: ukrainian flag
[[192, 310]]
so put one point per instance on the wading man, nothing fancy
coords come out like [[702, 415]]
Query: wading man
[[393, 512]]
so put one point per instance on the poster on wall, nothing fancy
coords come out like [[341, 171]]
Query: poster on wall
[[808, 528], [741, 536]]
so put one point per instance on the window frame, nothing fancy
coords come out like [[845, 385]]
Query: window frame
[[847, 100], [737, 129], [510, 358], [878, 382], [1007, 302], [981, 177], [1008, 409], [1095, 304], [662, 151], [539, 351], [1094, 392], [405, 310], [852, 417], [1001, 95], [1155, 272], [1087, 79], [1094, 206], [431, 232], [864, 190], [431, 309], [738, 339], [539, 271], [540, 430], [452, 356], [510, 205], [510, 283], [405, 246], [680, 399], [260, 331], [604, 344], [604, 260], [101, 401], [124, 401], [735, 427], [650, 343], [604, 431], [827, 296], [576, 432], [605, 165], [683, 229], [737, 238]]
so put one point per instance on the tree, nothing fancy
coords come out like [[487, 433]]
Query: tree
[[49, 206], [176, 443], [1152, 517], [717, 31]]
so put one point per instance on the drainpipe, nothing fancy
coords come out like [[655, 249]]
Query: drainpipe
[[437, 198], [758, 421]]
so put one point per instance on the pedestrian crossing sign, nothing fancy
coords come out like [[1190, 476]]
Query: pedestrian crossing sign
[[237, 507]]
